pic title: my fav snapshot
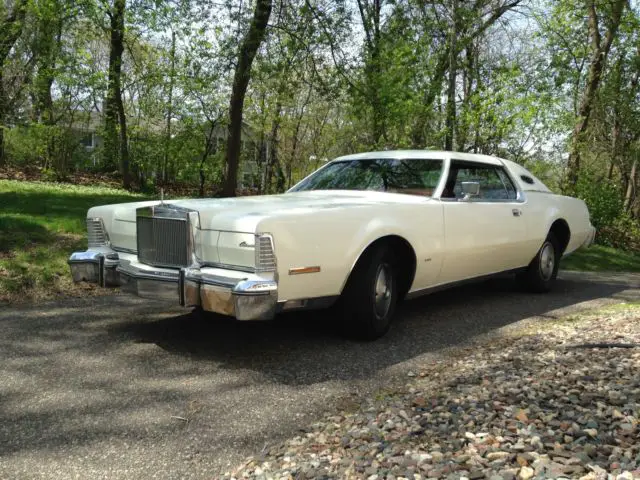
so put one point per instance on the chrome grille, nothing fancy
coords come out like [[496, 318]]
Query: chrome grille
[[265, 256], [96, 233], [163, 242]]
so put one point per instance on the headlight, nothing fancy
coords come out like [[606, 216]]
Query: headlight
[[265, 255], [96, 233]]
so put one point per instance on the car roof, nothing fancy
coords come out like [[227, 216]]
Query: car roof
[[422, 154]]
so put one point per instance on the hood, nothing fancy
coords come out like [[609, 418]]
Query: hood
[[226, 224], [242, 214]]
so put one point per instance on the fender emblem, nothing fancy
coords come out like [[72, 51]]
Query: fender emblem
[[246, 245]]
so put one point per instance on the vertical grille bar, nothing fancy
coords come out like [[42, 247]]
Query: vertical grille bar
[[163, 242]]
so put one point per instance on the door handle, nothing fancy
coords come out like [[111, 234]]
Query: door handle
[[516, 212]]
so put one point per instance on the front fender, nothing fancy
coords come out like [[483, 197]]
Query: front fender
[[334, 241]]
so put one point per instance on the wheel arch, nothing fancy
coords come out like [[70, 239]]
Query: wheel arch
[[560, 228], [407, 260]]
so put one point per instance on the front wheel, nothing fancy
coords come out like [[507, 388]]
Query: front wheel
[[368, 302], [541, 273]]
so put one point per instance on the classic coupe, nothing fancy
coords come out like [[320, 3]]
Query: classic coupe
[[360, 234]]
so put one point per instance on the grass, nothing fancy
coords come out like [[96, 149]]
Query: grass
[[40, 225], [598, 258]]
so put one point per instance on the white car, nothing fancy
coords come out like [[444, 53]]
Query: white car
[[360, 234]]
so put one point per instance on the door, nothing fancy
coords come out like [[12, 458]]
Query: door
[[483, 233]]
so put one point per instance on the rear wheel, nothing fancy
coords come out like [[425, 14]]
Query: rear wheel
[[541, 273], [368, 302]]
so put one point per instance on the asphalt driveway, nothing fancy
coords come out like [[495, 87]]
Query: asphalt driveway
[[117, 387]]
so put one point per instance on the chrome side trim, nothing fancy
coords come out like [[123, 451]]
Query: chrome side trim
[[458, 283], [124, 250], [226, 266], [159, 275]]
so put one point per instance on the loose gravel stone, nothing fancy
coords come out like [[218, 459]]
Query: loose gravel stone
[[515, 408]]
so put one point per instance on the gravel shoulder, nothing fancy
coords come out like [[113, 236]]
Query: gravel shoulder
[[116, 387], [557, 400]]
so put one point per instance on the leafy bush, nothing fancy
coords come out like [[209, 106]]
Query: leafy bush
[[603, 197], [615, 228], [622, 233], [54, 149]]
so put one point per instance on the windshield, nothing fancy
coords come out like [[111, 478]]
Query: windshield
[[414, 176]]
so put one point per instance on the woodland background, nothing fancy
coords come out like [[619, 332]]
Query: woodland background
[[553, 85]]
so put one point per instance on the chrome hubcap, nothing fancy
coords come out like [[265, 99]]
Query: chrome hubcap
[[547, 261], [383, 290]]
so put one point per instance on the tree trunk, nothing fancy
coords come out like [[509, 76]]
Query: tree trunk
[[167, 140], [599, 52], [209, 147], [247, 52], [451, 87], [3, 157], [115, 117], [273, 149], [47, 49], [10, 31], [370, 18], [470, 73], [617, 126], [631, 187]]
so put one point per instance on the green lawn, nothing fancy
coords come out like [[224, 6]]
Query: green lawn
[[40, 225], [602, 259]]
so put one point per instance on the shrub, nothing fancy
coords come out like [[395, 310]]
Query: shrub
[[53, 148], [615, 227]]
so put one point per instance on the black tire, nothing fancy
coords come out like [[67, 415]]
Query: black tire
[[541, 273], [368, 302]]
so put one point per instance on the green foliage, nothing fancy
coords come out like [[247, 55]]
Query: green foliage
[[602, 196], [622, 232], [51, 147], [615, 227], [40, 224]]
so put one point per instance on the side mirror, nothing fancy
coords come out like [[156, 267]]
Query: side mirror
[[470, 189]]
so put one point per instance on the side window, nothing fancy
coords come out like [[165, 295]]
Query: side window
[[495, 184], [512, 194]]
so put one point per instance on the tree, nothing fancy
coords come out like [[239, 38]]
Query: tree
[[11, 23], [599, 51], [246, 53], [116, 139]]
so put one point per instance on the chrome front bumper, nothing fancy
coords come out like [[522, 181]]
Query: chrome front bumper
[[246, 298]]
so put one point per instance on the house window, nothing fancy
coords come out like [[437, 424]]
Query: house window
[[88, 141], [247, 180]]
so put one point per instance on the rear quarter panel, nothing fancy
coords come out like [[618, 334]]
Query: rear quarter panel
[[543, 209]]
